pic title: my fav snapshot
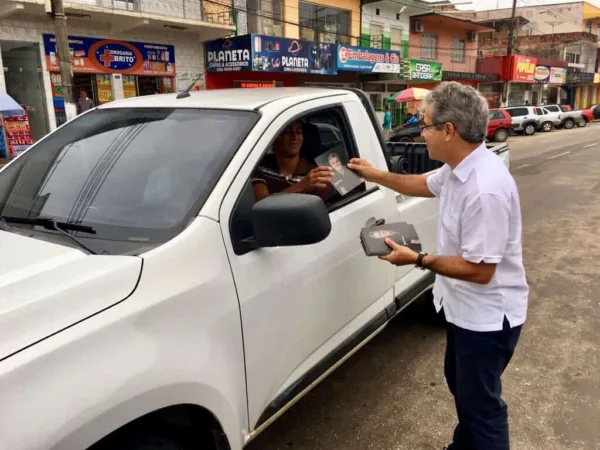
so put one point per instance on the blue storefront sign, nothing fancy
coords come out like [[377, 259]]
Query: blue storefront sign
[[370, 60], [229, 55], [270, 54], [92, 55]]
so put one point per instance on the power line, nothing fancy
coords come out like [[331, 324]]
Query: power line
[[276, 19]]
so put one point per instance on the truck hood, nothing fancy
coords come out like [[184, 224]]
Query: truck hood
[[46, 287]]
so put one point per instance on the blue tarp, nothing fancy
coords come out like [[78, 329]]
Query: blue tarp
[[8, 106]]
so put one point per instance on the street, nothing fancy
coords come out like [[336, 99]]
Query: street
[[392, 393]]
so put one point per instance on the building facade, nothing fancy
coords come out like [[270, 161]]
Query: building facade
[[119, 48]]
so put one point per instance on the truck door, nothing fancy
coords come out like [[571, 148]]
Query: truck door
[[303, 308]]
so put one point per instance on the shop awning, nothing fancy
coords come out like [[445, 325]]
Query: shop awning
[[8, 106]]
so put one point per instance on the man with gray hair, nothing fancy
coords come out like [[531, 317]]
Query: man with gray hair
[[480, 279]]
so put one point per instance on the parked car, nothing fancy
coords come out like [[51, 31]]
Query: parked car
[[149, 302], [524, 119], [592, 113], [548, 119], [409, 133], [569, 118], [499, 125]]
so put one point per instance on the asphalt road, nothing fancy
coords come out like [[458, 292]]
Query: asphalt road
[[392, 395]]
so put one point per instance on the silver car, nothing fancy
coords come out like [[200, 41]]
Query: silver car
[[524, 119]]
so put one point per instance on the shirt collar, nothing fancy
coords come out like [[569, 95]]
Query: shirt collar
[[463, 170]]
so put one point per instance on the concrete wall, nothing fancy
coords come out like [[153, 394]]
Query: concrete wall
[[387, 20], [291, 13], [446, 33]]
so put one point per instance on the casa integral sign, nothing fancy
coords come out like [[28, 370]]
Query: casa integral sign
[[419, 70], [368, 60], [523, 69]]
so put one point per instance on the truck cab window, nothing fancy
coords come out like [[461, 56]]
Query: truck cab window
[[319, 138]]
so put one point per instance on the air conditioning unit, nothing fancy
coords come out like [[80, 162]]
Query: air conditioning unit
[[418, 27], [472, 36]]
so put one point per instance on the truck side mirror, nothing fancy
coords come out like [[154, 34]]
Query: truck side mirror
[[281, 220]]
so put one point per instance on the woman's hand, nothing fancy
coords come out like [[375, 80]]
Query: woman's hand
[[317, 178]]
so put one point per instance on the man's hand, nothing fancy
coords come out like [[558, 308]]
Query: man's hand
[[363, 168], [317, 178], [400, 255]]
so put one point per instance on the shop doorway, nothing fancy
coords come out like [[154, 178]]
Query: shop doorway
[[149, 85], [24, 83]]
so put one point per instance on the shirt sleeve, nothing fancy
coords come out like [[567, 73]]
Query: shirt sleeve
[[258, 177], [485, 229], [436, 180]]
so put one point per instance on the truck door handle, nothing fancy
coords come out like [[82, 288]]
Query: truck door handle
[[373, 222]]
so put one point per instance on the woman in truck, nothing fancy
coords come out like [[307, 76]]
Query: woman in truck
[[285, 170]]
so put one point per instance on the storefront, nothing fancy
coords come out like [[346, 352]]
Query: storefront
[[144, 69], [21, 65], [547, 90], [369, 69], [270, 59], [489, 86], [520, 71]]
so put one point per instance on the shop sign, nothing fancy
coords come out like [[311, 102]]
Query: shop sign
[[262, 53], [597, 78], [542, 74], [558, 75], [369, 60], [257, 84], [417, 70], [274, 54], [448, 75], [523, 69], [228, 55], [91, 55], [580, 77]]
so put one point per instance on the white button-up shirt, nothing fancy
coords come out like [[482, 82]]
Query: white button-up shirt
[[480, 220]]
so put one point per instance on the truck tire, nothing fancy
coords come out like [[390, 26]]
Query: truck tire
[[568, 124], [150, 442], [501, 135], [547, 126], [529, 129], [406, 139], [582, 122]]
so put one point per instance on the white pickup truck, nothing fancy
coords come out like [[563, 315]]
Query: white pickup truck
[[148, 302]]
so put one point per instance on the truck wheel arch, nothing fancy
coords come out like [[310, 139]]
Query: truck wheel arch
[[176, 402]]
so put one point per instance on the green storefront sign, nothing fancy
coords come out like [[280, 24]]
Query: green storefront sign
[[419, 70]]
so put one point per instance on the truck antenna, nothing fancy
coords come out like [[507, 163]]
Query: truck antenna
[[186, 93]]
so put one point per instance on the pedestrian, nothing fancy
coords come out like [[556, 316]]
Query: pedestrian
[[480, 279], [387, 123], [84, 102]]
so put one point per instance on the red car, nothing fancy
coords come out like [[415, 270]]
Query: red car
[[499, 125]]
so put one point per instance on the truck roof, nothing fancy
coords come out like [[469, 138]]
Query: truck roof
[[239, 99]]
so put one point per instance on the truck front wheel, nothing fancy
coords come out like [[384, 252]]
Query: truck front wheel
[[568, 123], [582, 122]]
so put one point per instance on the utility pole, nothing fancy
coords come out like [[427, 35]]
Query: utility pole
[[511, 30], [64, 56]]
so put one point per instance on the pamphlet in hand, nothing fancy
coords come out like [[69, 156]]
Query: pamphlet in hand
[[344, 180], [402, 233]]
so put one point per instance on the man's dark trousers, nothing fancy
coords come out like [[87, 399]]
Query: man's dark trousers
[[473, 366]]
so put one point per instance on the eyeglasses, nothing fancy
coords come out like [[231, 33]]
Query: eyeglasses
[[423, 127]]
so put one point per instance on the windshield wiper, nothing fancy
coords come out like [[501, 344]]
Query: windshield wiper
[[50, 223]]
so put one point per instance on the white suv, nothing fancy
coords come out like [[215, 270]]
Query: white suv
[[524, 119]]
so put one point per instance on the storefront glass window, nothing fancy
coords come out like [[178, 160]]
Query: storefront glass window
[[324, 24], [23, 77], [265, 17]]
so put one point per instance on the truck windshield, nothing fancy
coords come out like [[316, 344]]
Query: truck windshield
[[136, 176]]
